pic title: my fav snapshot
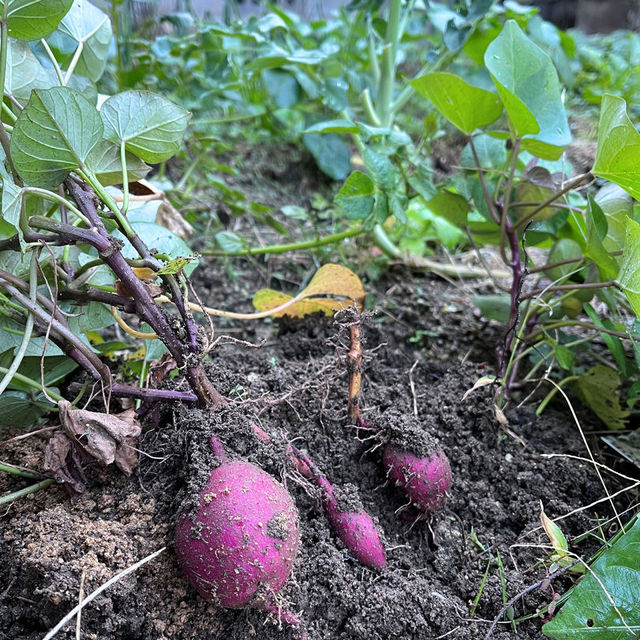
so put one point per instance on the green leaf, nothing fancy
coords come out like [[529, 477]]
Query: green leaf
[[563, 249], [617, 206], [17, 409], [589, 613], [151, 126], [493, 306], [90, 28], [330, 152], [462, 104], [618, 153], [594, 249], [24, 72], [381, 169], [104, 162], [527, 82], [333, 126], [451, 207], [34, 19], [53, 135], [355, 197], [629, 276], [598, 389], [537, 185], [92, 317], [613, 343], [229, 241], [565, 356]]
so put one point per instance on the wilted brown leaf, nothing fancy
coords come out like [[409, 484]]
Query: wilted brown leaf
[[107, 437], [62, 460]]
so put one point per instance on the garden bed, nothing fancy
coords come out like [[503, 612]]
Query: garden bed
[[425, 347]]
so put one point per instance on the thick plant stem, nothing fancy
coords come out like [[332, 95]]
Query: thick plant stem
[[146, 307], [81, 195]]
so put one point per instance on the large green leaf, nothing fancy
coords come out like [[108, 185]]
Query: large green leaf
[[527, 83], [618, 154], [150, 126], [53, 135], [355, 197], [90, 28], [34, 19], [330, 152], [24, 72], [629, 276], [104, 162], [598, 388], [588, 613], [464, 105]]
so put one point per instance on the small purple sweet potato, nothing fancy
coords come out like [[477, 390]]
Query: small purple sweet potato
[[240, 547], [354, 527], [425, 480]]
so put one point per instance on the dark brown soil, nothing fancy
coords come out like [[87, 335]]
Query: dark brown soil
[[425, 347]]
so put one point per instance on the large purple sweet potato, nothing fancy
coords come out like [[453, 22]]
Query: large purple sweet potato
[[240, 547]]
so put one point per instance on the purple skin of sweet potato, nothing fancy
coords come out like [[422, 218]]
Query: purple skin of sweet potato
[[356, 530], [425, 480], [240, 547]]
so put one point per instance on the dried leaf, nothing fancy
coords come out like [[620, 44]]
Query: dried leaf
[[160, 369], [167, 215], [62, 461], [480, 382], [144, 273], [329, 280], [107, 437]]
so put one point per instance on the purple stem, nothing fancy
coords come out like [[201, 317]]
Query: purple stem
[[515, 264]]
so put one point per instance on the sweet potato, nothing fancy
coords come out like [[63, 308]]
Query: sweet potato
[[425, 480], [354, 526], [239, 547]]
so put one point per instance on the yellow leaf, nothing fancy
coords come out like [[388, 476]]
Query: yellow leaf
[[266, 299], [329, 280], [335, 280], [144, 273]]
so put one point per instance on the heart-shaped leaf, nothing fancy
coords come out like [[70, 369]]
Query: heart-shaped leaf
[[527, 82], [24, 72], [90, 28], [150, 126], [618, 154], [54, 135], [34, 19], [355, 197], [462, 104], [598, 389], [104, 162], [617, 206], [614, 577]]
